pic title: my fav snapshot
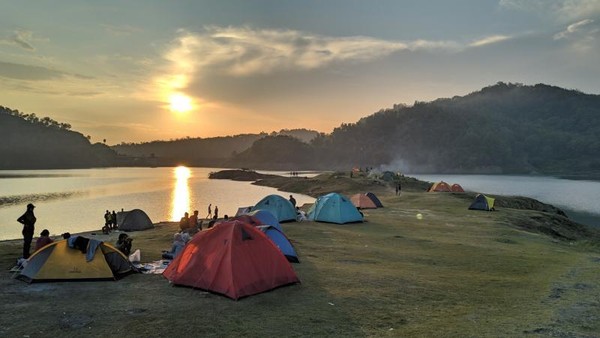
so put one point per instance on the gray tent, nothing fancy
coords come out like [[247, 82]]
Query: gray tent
[[133, 220]]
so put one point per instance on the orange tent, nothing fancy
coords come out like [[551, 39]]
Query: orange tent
[[234, 259], [362, 201], [457, 188], [440, 187]]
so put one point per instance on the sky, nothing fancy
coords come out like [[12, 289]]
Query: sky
[[137, 71]]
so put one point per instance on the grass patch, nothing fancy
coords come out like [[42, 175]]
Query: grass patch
[[450, 272]]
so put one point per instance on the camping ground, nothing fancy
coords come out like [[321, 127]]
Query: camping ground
[[448, 272]]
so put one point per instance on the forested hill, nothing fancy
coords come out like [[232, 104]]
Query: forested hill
[[504, 128], [208, 152], [30, 142], [501, 129]]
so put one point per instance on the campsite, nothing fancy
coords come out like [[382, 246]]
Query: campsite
[[522, 270]]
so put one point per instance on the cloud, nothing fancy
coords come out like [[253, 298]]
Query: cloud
[[574, 29], [242, 52], [561, 10], [21, 39], [20, 71], [489, 40], [27, 72]]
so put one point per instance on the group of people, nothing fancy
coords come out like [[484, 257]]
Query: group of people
[[210, 215], [190, 224], [28, 221], [110, 222]]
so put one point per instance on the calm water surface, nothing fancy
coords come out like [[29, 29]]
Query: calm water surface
[[75, 200], [579, 199]]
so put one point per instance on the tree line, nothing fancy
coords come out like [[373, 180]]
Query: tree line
[[506, 128]]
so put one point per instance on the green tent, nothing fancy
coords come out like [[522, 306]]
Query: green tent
[[482, 202]]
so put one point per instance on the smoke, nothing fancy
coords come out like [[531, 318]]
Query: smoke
[[403, 166]]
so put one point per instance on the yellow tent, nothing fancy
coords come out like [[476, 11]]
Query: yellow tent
[[57, 261]]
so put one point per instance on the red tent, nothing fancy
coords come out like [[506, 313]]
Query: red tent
[[362, 201], [457, 188], [234, 259]]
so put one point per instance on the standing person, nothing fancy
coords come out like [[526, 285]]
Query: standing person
[[216, 212], [293, 200], [398, 188], [209, 215], [113, 217], [43, 240], [28, 220], [107, 222]]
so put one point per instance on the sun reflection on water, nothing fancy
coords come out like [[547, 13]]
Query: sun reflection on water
[[181, 193]]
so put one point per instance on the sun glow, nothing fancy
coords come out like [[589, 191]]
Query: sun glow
[[180, 103], [181, 193]]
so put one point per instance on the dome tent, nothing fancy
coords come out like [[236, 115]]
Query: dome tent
[[440, 187], [59, 262], [234, 259], [362, 201], [375, 199], [334, 208], [266, 218], [278, 206], [482, 202], [134, 220], [281, 241]]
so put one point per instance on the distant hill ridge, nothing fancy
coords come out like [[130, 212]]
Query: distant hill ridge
[[501, 129], [30, 142]]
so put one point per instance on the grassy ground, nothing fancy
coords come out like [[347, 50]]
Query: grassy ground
[[448, 272]]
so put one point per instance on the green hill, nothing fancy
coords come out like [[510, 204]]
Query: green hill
[[33, 143], [207, 152], [501, 129]]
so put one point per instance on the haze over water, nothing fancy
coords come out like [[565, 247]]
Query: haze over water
[[75, 200]]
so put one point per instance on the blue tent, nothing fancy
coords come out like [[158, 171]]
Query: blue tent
[[334, 208], [281, 241], [278, 206], [266, 217]]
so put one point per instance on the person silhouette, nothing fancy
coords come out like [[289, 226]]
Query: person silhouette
[[209, 215], [28, 220]]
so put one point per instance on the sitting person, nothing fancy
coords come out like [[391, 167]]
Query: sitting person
[[78, 242], [124, 244], [300, 215], [179, 241], [43, 240], [184, 222]]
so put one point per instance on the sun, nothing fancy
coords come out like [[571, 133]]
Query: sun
[[180, 103]]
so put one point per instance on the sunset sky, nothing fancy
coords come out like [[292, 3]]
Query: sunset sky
[[131, 71]]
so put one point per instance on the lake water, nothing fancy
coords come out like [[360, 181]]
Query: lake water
[[579, 199], [76, 200]]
